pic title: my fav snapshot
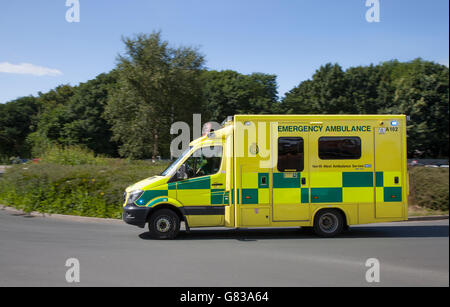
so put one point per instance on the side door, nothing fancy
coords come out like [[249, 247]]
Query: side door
[[290, 192], [204, 182]]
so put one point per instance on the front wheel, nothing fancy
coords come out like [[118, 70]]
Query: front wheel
[[164, 224], [328, 223]]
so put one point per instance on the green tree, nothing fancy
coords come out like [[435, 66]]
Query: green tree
[[228, 92], [51, 118], [157, 85], [422, 92], [324, 94], [84, 124], [73, 116], [17, 120], [299, 100], [362, 89]]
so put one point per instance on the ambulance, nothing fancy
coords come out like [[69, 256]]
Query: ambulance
[[323, 172]]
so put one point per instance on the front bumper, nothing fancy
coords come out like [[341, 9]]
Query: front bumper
[[134, 215]]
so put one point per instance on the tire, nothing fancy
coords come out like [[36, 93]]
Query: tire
[[328, 223], [164, 224]]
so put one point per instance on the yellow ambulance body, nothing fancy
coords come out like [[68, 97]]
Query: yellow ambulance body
[[322, 171]]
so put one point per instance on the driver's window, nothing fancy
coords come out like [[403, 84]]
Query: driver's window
[[203, 162]]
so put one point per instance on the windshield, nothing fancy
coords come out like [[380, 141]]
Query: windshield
[[172, 166]]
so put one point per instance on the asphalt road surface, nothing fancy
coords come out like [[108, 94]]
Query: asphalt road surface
[[34, 250]]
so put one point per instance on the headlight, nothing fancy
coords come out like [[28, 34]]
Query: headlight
[[134, 196]]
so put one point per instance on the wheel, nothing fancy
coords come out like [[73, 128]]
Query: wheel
[[164, 224], [328, 223]]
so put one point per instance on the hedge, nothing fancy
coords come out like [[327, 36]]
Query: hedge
[[87, 190], [429, 188]]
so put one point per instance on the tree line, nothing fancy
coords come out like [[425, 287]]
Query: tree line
[[128, 111]]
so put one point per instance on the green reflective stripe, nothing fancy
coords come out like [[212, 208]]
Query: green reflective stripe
[[260, 184], [305, 196], [172, 186], [203, 183], [392, 194], [249, 196], [326, 195], [149, 195], [217, 196], [379, 179], [357, 179], [156, 201], [279, 180]]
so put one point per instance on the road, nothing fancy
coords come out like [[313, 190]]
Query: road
[[33, 252]]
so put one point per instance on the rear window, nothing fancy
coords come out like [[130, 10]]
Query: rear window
[[339, 148]]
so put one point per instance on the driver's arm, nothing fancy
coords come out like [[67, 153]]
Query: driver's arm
[[202, 167]]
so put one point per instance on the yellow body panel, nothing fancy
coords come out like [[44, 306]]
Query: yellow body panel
[[255, 217], [326, 179], [389, 179], [264, 196], [202, 197], [205, 220], [357, 195]]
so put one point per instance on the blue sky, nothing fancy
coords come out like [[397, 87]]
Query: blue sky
[[289, 38]]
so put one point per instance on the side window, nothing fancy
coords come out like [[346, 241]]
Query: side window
[[204, 162], [339, 148], [290, 154]]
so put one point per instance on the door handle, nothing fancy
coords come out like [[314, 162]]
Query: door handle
[[217, 184], [303, 181], [263, 180]]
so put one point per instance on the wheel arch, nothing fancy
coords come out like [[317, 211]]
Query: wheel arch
[[169, 206], [344, 214]]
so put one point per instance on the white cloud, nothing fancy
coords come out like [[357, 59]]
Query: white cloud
[[28, 69]]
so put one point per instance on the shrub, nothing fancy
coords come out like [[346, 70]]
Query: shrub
[[89, 190], [4, 160], [70, 155], [429, 188]]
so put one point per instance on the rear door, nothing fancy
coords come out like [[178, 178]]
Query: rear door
[[390, 181]]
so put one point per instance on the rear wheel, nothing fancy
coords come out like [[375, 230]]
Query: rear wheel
[[164, 224], [328, 223]]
